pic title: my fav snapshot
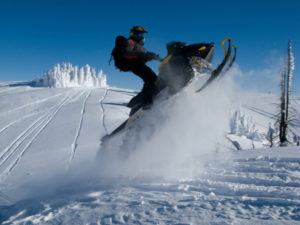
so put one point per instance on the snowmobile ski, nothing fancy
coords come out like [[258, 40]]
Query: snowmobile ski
[[218, 71], [232, 59], [125, 124]]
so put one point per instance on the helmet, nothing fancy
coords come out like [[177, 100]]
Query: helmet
[[137, 33], [138, 29]]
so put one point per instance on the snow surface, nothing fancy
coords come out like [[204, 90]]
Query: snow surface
[[65, 75], [53, 169]]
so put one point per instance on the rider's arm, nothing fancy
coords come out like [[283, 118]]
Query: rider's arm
[[133, 50]]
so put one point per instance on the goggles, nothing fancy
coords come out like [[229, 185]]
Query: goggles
[[140, 34]]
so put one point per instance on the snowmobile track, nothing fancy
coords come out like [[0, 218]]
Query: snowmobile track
[[30, 104], [83, 109], [16, 121], [29, 115], [27, 131], [20, 90], [9, 90], [103, 111], [13, 153]]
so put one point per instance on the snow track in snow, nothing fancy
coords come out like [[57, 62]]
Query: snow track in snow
[[16, 121], [20, 119], [10, 90], [5, 198], [22, 90], [11, 155], [30, 104], [103, 111], [74, 145]]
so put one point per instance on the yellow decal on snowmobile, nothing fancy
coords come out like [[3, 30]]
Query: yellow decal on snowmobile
[[202, 48], [165, 61]]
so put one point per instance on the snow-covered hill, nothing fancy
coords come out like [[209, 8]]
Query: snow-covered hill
[[51, 170]]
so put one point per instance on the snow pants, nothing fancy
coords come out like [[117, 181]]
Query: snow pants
[[149, 78]]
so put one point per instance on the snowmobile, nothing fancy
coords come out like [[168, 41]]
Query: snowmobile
[[182, 65]]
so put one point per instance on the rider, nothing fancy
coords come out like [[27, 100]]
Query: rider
[[137, 57]]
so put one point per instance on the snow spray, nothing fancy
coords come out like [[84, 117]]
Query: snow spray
[[175, 139]]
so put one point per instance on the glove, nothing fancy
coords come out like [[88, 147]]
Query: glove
[[154, 56]]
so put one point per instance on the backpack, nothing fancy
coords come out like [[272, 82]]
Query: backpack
[[120, 61]]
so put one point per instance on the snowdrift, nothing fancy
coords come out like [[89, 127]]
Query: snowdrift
[[65, 75]]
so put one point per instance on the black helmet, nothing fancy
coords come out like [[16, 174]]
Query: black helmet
[[137, 33]]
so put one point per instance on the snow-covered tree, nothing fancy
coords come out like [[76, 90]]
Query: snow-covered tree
[[286, 84], [242, 125], [234, 123], [65, 75], [271, 135]]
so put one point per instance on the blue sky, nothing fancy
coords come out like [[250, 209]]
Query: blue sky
[[35, 35]]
